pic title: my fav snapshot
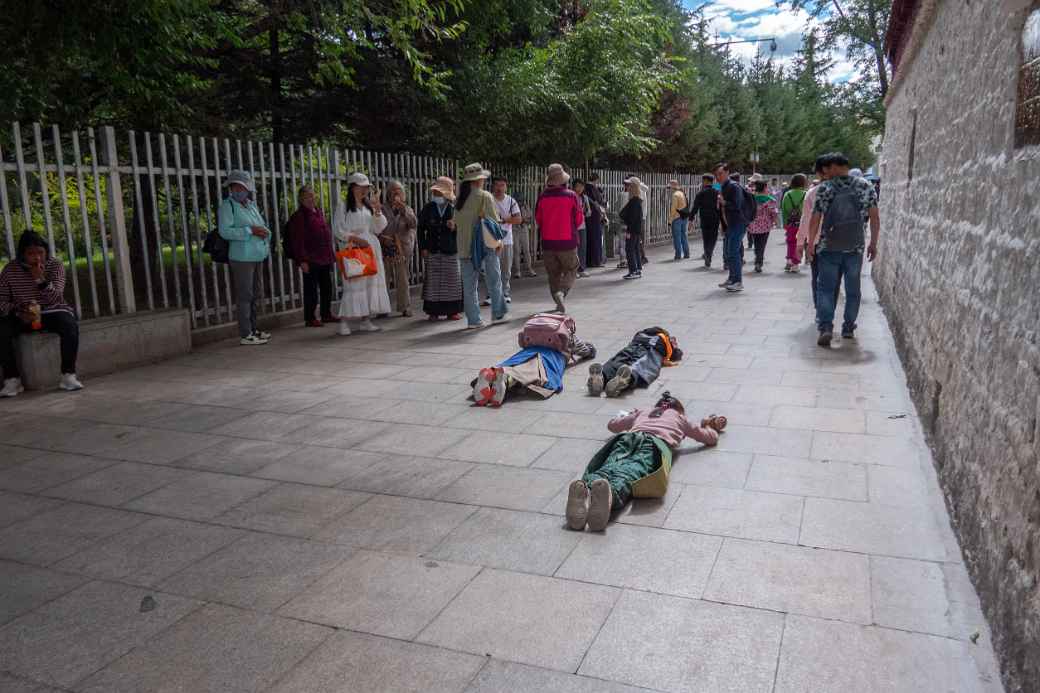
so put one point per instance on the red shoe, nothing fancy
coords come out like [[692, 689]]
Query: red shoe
[[315, 323], [454, 316]]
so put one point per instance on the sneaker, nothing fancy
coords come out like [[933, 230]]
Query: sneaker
[[499, 319], [454, 316], [583, 274], [577, 505], [490, 388], [848, 332], [477, 326], [516, 275], [509, 299], [600, 502], [596, 381], [70, 383], [12, 387], [486, 302], [315, 323], [630, 275], [758, 269], [685, 257], [344, 329], [725, 284], [262, 335], [620, 382], [558, 297], [531, 273], [406, 313], [734, 288], [368, 326], [252, 340], [825, 339]]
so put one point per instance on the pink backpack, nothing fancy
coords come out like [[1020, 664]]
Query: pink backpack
[[549, 330]]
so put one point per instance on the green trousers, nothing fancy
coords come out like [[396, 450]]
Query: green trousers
[[632, 458]]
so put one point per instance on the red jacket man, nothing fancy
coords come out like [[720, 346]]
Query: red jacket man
[[559, 214]]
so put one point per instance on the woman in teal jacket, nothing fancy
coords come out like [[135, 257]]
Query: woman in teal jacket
[[240, 223]]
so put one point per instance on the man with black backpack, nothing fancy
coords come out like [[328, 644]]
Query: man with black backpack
[[738, 210], [843, 207]]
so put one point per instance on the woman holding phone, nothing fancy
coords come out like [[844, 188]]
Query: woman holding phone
[[357, 223], [240, 223]]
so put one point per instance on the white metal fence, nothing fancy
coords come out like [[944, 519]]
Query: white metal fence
[[128, 212]]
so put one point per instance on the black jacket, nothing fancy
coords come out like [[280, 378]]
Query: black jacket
[[434, 234], [632, 216], [706, 204]]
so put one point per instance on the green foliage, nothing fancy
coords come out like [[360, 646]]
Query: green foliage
[[609, 82]]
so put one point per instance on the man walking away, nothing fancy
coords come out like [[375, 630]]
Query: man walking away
[[822, 165], [678, 222], [509, 211], [733, 211], [559, 215], [706, 206], [843, 207]]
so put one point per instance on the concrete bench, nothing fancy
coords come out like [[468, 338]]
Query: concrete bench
[[106, 345]]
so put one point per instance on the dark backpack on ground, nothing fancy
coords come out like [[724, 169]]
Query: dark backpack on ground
[[843, 225], [749, 210]]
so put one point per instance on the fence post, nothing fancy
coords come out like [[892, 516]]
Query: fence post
[[117, 225]]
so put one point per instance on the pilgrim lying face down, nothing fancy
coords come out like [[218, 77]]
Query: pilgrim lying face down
[[636, 462]]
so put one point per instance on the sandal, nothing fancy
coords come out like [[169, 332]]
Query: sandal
[[715, 421]]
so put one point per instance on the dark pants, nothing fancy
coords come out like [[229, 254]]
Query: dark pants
[[247, 289], [626, 357], [709, 236], [760, 240], [632, 252], [61, 323], [816, 278], [320, 277]]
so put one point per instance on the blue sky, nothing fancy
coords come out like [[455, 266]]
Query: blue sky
[[735, 20]]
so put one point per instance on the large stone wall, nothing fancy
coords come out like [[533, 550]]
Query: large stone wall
[[959, 274]]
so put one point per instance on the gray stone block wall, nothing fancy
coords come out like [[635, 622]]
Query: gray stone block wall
[[959, 274]]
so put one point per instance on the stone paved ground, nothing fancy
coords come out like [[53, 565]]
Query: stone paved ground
[[328, 514]]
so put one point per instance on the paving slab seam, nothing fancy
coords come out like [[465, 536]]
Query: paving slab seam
[[592, 642], [779, 650]]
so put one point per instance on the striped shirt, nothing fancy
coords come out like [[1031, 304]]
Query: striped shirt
[[18, 288]]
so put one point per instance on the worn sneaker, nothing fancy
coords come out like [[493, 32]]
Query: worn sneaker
[[558, 297], [583, 274], [620, 382], [600, 503], [70, 383], [486, 302], [725, 284], [252, 340], [368, 326], [344, 329], [12, 387], [630, 275], [500, 319], [596, 381], [758, 269], [734, 288], [531, 273], [848, 332], [577, 505], [477, 326], [825, 339], [498, 387], [262, 335]]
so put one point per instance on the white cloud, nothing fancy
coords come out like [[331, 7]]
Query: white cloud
[[744, 6]]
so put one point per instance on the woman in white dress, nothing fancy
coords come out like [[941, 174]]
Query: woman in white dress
[[357, 223]]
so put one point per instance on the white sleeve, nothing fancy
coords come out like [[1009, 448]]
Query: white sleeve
[[339, 222]]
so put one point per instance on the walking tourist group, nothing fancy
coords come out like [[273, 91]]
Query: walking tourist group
[[472, 232]]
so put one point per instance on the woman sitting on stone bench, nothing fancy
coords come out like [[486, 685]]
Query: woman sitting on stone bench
[[32, 289]]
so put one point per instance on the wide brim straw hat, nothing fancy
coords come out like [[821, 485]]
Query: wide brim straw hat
[[445, 186], [475, 172], [242, 178], [556, 175], [633, 179], [360, 180], [674, 184], [757, 178]]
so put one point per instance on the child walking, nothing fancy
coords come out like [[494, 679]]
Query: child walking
[[636, 462]]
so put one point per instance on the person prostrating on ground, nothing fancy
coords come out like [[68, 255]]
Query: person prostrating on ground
[[636, 462]]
